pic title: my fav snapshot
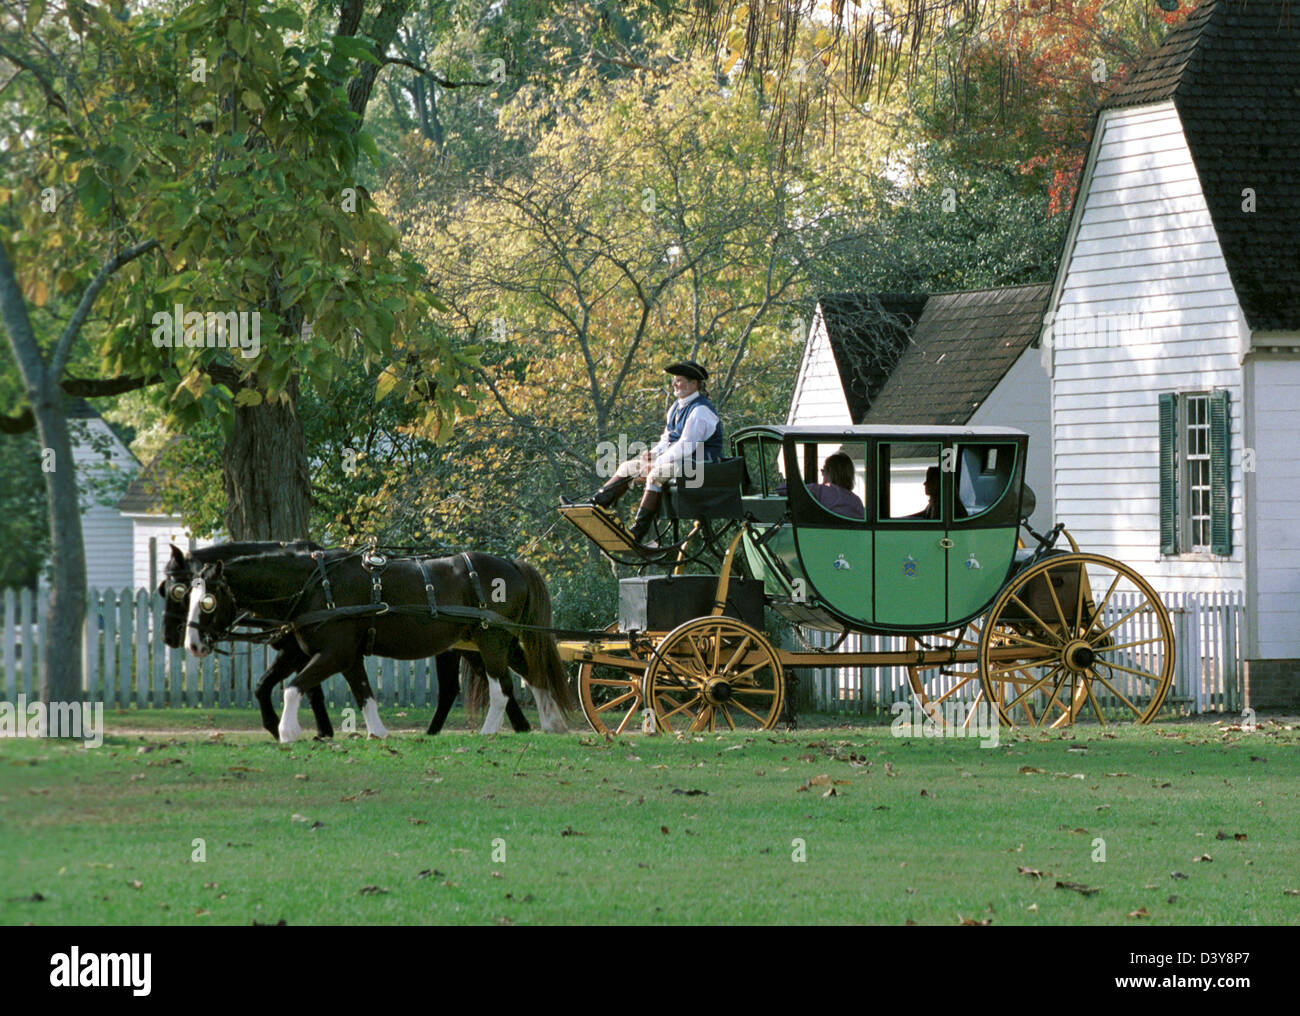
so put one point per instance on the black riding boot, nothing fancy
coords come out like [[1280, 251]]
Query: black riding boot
[[645, 515], [609, 494]]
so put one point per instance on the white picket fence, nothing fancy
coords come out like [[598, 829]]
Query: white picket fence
[[126, 664], [1207, 660]]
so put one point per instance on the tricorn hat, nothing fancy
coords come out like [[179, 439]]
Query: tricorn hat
[[688, 369]]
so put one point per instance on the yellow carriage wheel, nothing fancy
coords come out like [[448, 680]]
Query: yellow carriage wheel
[[1076, 637], [714, 673], [610, 697], [947, 691]]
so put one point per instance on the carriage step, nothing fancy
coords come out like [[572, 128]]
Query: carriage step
[[602, 527]]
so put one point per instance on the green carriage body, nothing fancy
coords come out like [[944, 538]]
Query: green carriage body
[[883, 573]]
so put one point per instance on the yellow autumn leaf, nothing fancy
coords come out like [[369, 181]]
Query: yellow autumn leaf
[[39, 293]]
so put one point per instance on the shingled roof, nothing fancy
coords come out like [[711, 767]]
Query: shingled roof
[[1232, 70], [962, 346], [868, 332]]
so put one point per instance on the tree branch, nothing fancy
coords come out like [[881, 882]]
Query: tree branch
[[73, 328]]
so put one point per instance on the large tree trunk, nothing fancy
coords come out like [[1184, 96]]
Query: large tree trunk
[[66, 613], [265, 474], [65, 616]]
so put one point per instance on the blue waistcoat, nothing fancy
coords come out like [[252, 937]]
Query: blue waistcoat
[[679, 414]]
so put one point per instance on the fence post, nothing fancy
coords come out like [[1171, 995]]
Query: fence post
[[90, 647], [142, 696], [10, 656]]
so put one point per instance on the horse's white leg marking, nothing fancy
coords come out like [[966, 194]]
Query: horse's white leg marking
[[371, 712], [496, 707], [551, 717], [290, 731], [198, 590]]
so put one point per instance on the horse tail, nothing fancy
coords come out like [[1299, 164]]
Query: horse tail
[[545, 668]]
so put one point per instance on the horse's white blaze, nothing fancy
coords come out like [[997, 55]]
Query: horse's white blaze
[[496, 707], [290, 731], [193, 643], [371, 713]]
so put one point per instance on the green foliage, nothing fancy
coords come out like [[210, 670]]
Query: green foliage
[[24, 527]]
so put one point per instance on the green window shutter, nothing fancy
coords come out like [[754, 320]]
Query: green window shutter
[[1168, 473], [1220, 449]]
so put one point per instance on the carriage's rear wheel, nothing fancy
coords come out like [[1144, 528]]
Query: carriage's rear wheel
[[610, 697], [714, 673], [1078, 636]]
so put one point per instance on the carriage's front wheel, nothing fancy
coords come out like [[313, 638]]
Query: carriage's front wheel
[[1076, 636], [610, 697], [714, 673]]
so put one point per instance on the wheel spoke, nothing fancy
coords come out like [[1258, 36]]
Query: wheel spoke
[[680, 708], [744, 708], [614, 702], [1135, 610], [1101, 610], [1117, 693], [734, 656], [1041, 623], [1096, 706], [1145, 674], [1130, 645]]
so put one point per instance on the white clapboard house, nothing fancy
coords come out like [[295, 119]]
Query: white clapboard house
[[99, 455], [141, 508], [946, 359], [1173, 343]]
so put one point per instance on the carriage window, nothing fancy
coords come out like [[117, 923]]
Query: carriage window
[[762, 456], [908, 480], [834, 476], [983, 476]]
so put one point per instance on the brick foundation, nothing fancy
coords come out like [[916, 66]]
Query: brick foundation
[[1272, 684]]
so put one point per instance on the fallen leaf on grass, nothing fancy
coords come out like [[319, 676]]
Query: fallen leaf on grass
[[1079, 887], [831, 792], [1178, 874], [135, 883], [690, 793], [1285, 892], [1203, 857], [570, 831], [373, 890], [1032, 908], [295, 817], [1119, 774], [1139, 912], [1031, 872], [1030, 770], [417, 821], [202, 912], [429, 873], [970, 922], [663, 829]]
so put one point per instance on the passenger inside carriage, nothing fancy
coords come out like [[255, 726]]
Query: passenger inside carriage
[[835, 492]]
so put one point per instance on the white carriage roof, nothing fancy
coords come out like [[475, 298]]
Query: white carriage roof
[[895, 431]]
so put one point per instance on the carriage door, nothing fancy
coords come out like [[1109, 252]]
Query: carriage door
[[911, 560], [985, 509]]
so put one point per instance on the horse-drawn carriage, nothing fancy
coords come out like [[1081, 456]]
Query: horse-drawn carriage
[[1037, 634]]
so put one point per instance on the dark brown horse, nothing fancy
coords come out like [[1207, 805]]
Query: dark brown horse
[[290, 657], [326, 604]]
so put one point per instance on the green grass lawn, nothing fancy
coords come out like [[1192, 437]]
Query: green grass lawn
[[168, 823]]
